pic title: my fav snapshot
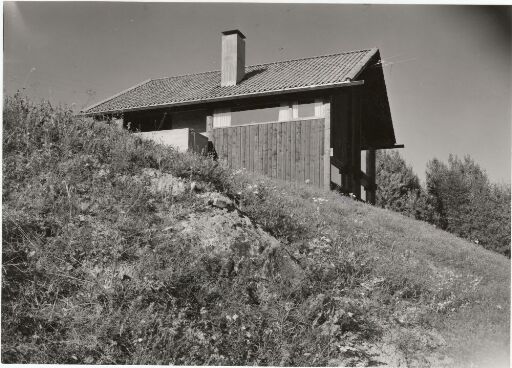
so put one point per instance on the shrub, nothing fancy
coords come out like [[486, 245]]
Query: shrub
[[89, 277], [468, 205]]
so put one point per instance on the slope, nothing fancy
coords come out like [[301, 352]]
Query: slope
[[117, 250]]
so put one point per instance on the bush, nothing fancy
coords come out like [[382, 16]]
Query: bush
[[89, 276], [458, 198], [399, 188], [468, 205], [95, 269]]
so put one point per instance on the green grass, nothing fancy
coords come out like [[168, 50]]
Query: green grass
[[91, 272]]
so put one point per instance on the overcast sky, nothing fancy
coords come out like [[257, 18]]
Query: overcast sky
[[447, 68]]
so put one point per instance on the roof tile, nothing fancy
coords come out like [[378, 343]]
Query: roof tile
[[262, 78]]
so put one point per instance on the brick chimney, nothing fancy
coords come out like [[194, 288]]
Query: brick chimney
[[233, 58]]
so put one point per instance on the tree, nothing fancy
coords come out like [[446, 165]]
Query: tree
[[467, 204], [399, 187]]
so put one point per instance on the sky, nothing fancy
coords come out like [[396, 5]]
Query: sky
[[448, 68]]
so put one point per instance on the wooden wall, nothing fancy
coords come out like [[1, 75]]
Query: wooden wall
[[290, 150]]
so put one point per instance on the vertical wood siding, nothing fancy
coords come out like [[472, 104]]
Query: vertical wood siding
[[287, 150]]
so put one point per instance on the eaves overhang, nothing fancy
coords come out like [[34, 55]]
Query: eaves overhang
[[346, 83]]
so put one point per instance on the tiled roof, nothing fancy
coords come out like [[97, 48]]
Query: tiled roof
[[259, 79]]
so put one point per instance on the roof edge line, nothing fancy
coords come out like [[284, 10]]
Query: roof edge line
[[270, 63], [116, 95], [235, 97], [359, 67], [313, 57]]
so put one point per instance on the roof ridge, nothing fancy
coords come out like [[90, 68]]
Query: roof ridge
[[314, 57], [269, 63]]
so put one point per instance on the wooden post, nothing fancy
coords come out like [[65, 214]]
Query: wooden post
[[370, 172], [209, 124], [327, 144], [295, 110], [345, 138], [355, 166]]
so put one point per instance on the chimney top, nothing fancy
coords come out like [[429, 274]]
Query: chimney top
[[233, 58], [233, 31]]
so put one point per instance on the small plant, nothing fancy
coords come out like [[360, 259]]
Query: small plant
[[98, 269]]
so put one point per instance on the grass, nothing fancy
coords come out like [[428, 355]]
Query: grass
[[94, 272]]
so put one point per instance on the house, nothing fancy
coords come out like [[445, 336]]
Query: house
[[309, 119]]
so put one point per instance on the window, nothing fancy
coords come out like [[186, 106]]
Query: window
[[257, 115], [306, 109], [194, 119]]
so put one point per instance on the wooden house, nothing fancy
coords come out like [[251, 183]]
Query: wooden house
[[306, 120]]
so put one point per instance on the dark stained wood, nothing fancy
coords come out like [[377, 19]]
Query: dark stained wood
[[356, 143], [365, 180], [339, 165], [370, 172], [345, 138]]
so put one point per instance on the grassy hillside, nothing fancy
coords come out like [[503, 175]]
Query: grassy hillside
[[110, 255]]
